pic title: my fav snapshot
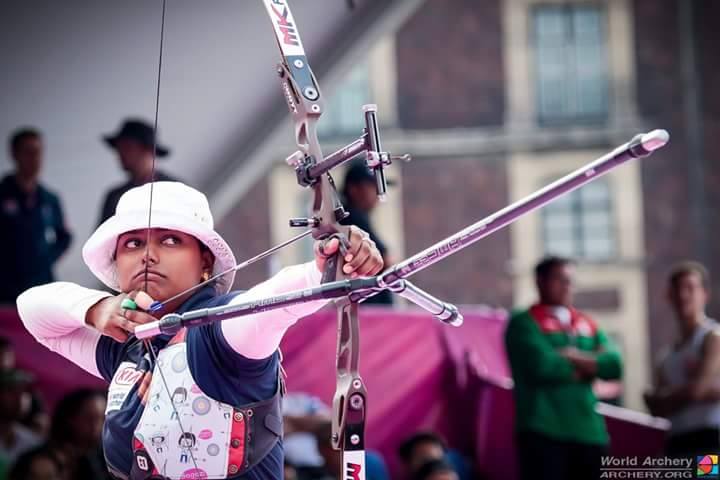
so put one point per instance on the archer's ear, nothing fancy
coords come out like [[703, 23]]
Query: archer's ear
[[208, 260]]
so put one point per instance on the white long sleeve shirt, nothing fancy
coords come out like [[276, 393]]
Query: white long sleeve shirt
[[55, 315]]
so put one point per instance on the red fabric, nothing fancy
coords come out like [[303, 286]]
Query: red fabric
[[580, 323], [237, 454]]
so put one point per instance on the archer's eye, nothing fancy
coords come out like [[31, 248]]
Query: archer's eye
[[171, 240], [132, 243]]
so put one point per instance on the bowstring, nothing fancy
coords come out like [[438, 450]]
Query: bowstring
[[155, 142], [148, 343]]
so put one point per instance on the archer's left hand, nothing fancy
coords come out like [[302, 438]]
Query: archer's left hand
[[362, 259]]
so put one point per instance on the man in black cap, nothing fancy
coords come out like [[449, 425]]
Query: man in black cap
[[134, 144], [359, 199], [34, 235]]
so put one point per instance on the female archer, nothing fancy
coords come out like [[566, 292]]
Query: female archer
[[222, 419]]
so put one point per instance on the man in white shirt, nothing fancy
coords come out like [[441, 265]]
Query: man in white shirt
[[687, 379]]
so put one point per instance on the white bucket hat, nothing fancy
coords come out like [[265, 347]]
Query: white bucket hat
[[175, 206]]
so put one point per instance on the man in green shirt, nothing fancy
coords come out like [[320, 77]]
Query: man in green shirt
[[555, 352]]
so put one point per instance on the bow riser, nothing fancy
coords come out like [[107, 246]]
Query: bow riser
[[305, 103]]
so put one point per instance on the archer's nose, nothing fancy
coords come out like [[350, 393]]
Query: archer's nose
[[150, 257]]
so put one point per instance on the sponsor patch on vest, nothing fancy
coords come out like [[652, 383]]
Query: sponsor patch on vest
[[125, 377]]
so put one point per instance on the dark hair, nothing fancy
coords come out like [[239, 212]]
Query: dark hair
[[688, 267], [545, 266], [408, 445], [65, 411], [431, 467], [187, 436], [357, 173], [23, 465], [19, 135]]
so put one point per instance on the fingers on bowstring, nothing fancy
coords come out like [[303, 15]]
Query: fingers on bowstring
[[118, 334], [131, 316], [137, 317], [124, 325], [140, 299], [143, 300]]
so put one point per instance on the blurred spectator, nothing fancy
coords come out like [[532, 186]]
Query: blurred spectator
[[34, 414], [687, 388], [420, 448], [7, 354], [34, 235], [133, 144], [359, 199], [15, 439], [555, 352], [76, 433], [32, 410], [436, 470], [289, 472], [423, 447], [37, 464], [332, 459], [303, 415]]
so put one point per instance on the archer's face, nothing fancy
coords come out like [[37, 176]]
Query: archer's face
[[175, 262]]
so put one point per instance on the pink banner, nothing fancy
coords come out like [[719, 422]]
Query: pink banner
[[413, 367], [419, 373], [54, 376]]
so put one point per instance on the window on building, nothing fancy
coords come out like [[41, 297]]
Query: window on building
[[580, 223], [343, 115], [570, 63]]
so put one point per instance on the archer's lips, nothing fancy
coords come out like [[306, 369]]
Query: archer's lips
[[151, 274]]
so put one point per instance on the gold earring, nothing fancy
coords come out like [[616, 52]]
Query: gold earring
[[205, 276]]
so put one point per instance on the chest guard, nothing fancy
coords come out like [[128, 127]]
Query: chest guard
[[216, 440]]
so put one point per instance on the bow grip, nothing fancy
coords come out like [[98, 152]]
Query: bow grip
[[335, 262]]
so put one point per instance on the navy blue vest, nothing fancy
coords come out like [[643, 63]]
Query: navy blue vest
[[219, 371]]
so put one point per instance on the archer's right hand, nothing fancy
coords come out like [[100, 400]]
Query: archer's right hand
[[109, 318]]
